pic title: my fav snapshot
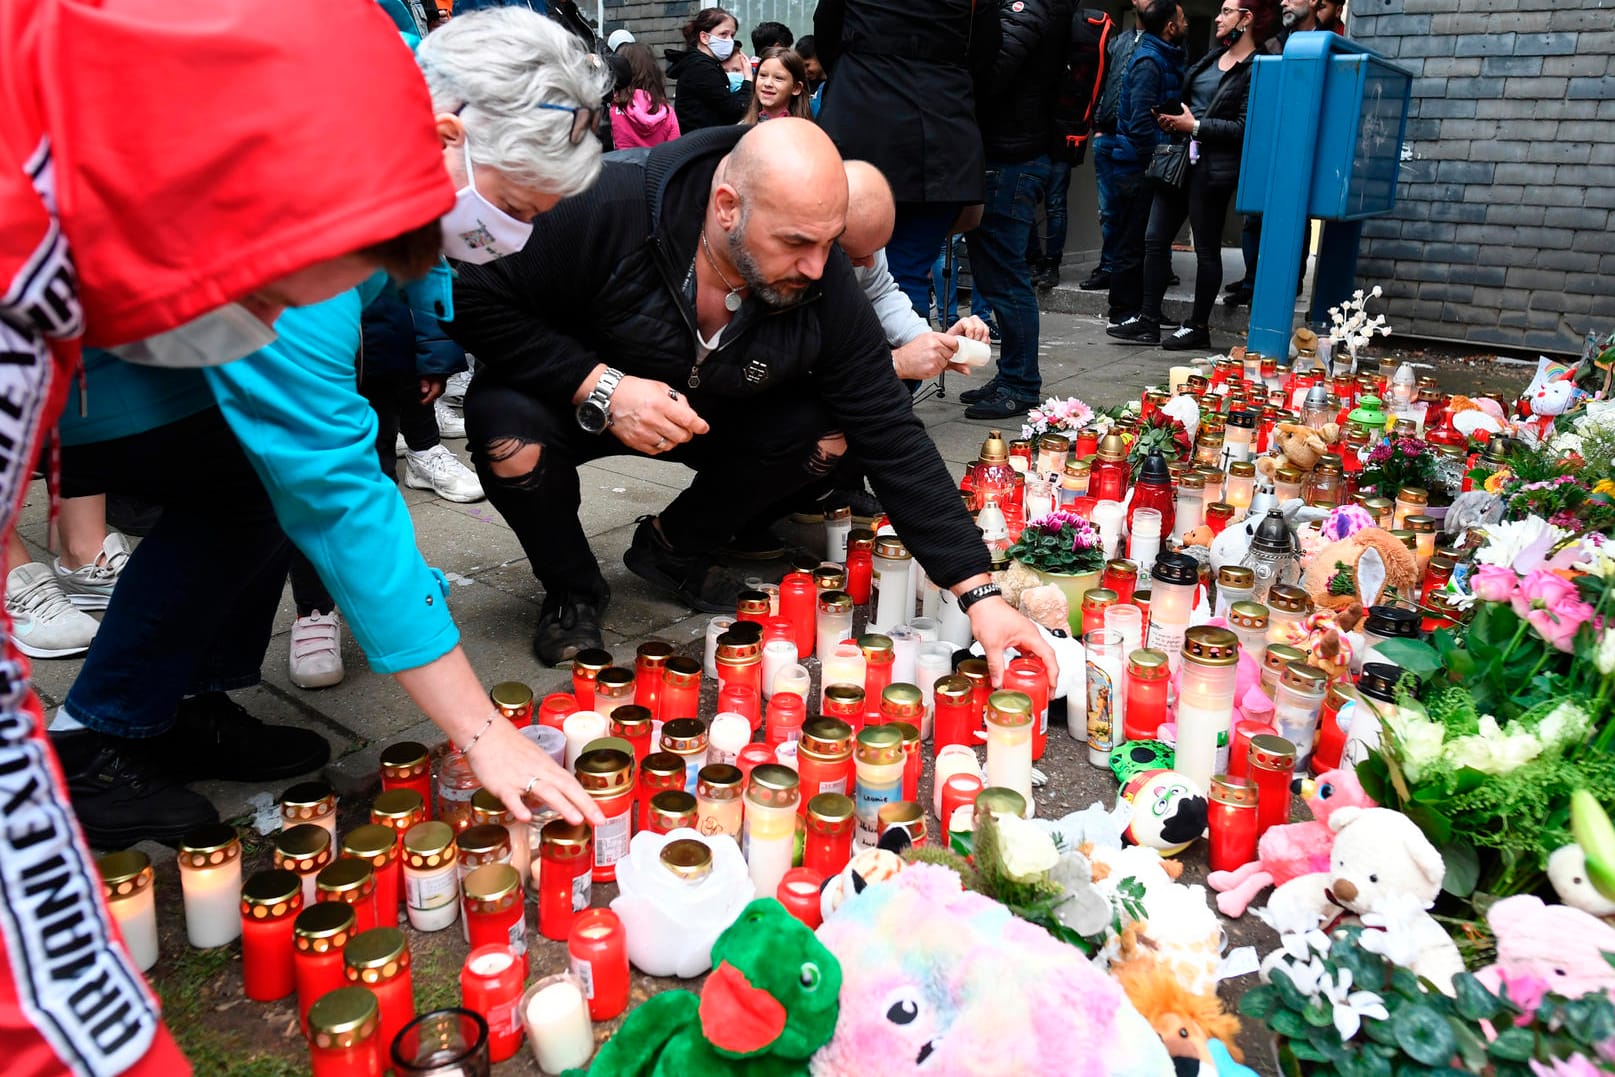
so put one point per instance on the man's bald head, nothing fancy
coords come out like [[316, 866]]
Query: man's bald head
[[871, 212], [780, 197]]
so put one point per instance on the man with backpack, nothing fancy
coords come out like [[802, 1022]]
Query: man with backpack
[[1018, 131]]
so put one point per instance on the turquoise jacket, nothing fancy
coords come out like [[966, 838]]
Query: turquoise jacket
[[296, 409]]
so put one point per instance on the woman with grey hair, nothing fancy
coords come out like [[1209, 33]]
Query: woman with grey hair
[[518, 101]]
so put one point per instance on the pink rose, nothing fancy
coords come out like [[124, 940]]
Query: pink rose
[[1558, 625], [1494, 583], [1541, 590]]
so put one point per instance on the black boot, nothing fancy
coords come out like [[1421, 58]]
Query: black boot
[[570, 620], [120, 797], [694, 579], [215, 737]]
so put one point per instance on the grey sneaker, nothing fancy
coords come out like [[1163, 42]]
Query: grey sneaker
[[89, 587], [440, 471], [450, 420], [44, 623]]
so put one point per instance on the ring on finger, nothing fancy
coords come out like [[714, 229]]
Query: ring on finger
[[661, 443], [527, 790]]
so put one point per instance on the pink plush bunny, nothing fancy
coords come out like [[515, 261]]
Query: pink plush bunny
[[1294, 849], [1534, 946]]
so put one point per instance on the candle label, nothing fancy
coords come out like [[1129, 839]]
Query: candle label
[[504, 1020], [582, 889], [837, 785], [517, 937], [1101, 704], [1168, 638], [870, 798], [584, 971], [611, 840], [431, 891]]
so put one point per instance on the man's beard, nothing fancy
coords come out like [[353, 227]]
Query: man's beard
[[746, 265], [1289, 18]]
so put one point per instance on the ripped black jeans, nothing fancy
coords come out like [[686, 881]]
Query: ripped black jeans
[[759, 451]]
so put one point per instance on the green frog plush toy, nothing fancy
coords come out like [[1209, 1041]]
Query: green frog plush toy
[[770, 1002]]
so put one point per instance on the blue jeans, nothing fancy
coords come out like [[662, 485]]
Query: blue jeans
[[998, 267], [916, 237], [195, 605], [1051, 245], [1104, 177], [945, 287]]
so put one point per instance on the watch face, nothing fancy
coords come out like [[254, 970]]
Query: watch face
[[592, 417]]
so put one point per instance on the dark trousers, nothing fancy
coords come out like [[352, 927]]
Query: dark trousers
[[1206, 207], [916, 237], [1050, 246], [760, 449], [1131, 200], [998, 268], [195, 605], [1104, 180], [396, 400]]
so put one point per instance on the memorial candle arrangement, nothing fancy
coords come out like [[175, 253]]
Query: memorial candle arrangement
[[127, 881], [210, 883]]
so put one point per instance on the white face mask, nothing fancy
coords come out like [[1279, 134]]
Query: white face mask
[[476, 230], [219, 336], [721, 46]]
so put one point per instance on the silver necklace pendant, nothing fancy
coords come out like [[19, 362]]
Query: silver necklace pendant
[[731, 302]]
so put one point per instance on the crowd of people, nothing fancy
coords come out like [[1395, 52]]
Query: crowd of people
[[219, 339]]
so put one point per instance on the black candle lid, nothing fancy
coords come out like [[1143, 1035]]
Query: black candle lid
[[1177, 568], [1379, 681], [1392, 622]]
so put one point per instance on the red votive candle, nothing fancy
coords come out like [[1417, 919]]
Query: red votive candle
[[344, 1034], [957, 792], [829, 827], [681, 689], [1147, 677], [270, 902], [752, 756], [786, 713], [1232, 822], [658, 773], [491, 985], [598, 954], [799, 604], [553, 709], [379, 960], [1239, 750], [586, 667], [633, 724], [1272, 767], [319, 935], [954, 720], [565, 866], [378, 846], [351, 881], [494, 914], [1026, 674], [398, 810], [799, 892], [824, 758], [649, 662], [407, 765], [742, 700]]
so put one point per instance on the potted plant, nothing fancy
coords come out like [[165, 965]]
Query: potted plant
[[1067, 551], [1398, 462]]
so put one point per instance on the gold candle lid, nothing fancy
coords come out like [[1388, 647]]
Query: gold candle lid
[[663, 764], [345, 878], [880, 744], [829, 578], [209, 846], [591, 660], [1289, 598], [902, 701], [1078, 468], [1248, 614], [1413, 495], [397, 805], [1011, 708], [974, 670], [829, 811], [754, 603], [376, 955], [125, 873], [875, 645], [1112, 447], [605, 772], [1241, 469], [631, 721], [614, 679], [910, 732], [308, 800], [861, 538], [1406, 538], [687, 859], [325, 927], [653, 654], [891, 547], [993, 449], [478, 844], [845, 696], [558, 833], [404, 758], [1273, 753], [1192, 480], [1304, 678], [429, 845], [1421, 525], [343, 1018], [511, 697], [491, 887], [718, 781], [1054, 443], [1148, 664], [835, 602], [681, 672], [306, 845], [1207, 646], [1000, 801], [673, 808], [488, 809], [953, 688], [838, 512], [684, 735], [773, 785], [271, 893], [1236, 576], [903, 813], [1280, 655], [373, 842], [828, 737]]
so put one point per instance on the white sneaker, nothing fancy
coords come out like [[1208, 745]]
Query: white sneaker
[[440, 471], [454, 391], [90, 587], [399, 446], [316, 652], [44, 623], [450, 420]]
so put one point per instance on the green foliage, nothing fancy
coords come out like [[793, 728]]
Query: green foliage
[[1060, 543], [1344, 581]]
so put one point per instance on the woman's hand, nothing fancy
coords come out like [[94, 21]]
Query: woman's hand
[[1180, 124], [999, 626], [521, 774]]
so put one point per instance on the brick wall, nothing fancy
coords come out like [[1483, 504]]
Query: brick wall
[[1504, 231], [654, 22]]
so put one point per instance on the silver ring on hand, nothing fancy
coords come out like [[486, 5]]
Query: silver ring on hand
[[661, 443], [527, 790]]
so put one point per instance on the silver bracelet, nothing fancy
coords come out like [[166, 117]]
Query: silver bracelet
[[472, 743]]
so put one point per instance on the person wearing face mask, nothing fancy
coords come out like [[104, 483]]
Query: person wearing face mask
[[709, 93], [192, 615]]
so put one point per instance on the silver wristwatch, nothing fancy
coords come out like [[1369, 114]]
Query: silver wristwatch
[[594, 414]]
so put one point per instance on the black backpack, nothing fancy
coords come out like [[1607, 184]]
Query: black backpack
[[1080, 84]]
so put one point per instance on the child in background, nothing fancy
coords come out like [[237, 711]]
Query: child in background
[[782, 88], [640, 113], [765, 36], [808, 49]]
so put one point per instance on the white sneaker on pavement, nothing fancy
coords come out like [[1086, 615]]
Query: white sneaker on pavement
[[89, 587], [439, 470], [450, 420], [316, 652], [44, 623], [454, 391], [399, 446]]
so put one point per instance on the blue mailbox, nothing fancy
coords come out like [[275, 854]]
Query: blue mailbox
[[1323, 138]]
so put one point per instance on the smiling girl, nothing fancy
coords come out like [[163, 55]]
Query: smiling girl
[[782, 87]]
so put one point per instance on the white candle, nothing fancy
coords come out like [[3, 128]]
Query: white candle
[[210, 882], [558, 1027], [795, 680], [955, 623], [891, 592], [728, 734], [1009, 744], [1127, 619], [1178, 377], [777, 654], [972, 352], [1107, 516], [716, 626], [951, 760], [844, 666], [580, 728], [930, 596], [929, 628], [905, 646], [128, 882], [1145, 542], [932, 662]]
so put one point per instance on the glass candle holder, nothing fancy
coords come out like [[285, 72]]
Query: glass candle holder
[[378, 846], [1144, 543], [1172, 586], [670, 810], [860, 564], [379, 959], [1235, 584], [1026, 674], [786, 714], [824, 761], [1009, 742], [1108, 517], [514, 702], [565, 876], [1206, 703], [398, 810], [976, 672], [1410, 501], [350, 881], [407, 765], [777, 655], [597, 954], [607, 775], [1270, 766], [478, 846], [1248, 621], [740, 664], [913, 764], [555, 1013], [837, 529], [127, 881], [728, 733], [1239, 749], [716, 626], [270, 902], [309, 802], [491, 987], [1331, 739], [1106, 703], [457, 783], [659, 772], [306, 850], [834, 623], [1147, 678], [799, 891], [681, 689], [798, 604], [210, 883], [586, 666], [431, 879], [955, 718], [758, 754], [794, 680], [650, 660], [754, 604], [319, 935], [890, 589], [959, 791], [829, 825], [772, 797], [613, 688], [443, 1043], [1296, 705], [553, 709], [1287, 609], [344, 1034], [901, 703], [879, 777], [494, 914]]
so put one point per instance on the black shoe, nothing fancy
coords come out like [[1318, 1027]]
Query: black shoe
[[120, 797], [569, 622], [1240, 285], [1002, 406], [1136, 330], [976, 396], [694, 579], [1186, 338], [1240, 298], [1046, 274], [1097, 281], [214, 737], [1173, 281], [755, 542]]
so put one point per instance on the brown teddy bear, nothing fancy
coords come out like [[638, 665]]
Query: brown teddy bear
[[1301, 446]]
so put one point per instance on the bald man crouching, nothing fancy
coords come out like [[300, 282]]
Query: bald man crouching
[[696, 308]]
